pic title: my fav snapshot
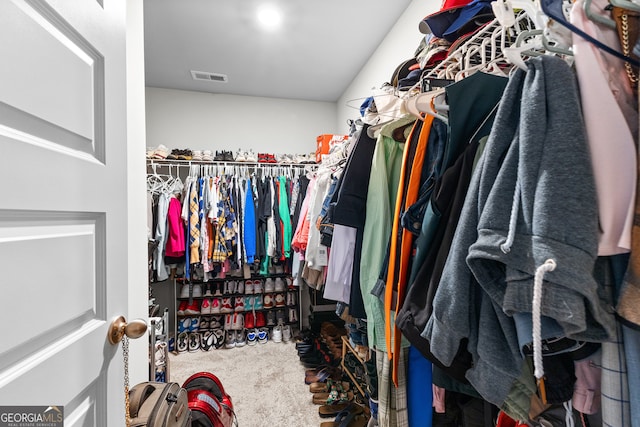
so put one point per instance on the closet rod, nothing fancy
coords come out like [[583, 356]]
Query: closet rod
[[151, 162]]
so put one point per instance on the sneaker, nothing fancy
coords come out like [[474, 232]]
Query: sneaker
[[231, 287], [260, 320], [291, 298], [215, 322], [269, 286], [192, 308], [279, 269], [263, 335], [216, 305], [271, 318], [257, 302], [249, 320], [228, 322], [257, 287], [183, 342], [218, 338], [279, 300], [208, 293], [293, 315], [184, 291], [248, 287], [286, 333], [197, 290], [276, 334], [251, 156], [182, 307], [279, 284], [268, 301], [240, 287], [240, 157], [205, 308], [230, 340], [288, 282], [184, 324], [252, 337], [238, 321], [205, 322], [241, 338], [195, 324], [248, 303], [280, 317], [226, 306], [197, 155], [238, 305], [207, 155], [206, 340], [194, 341], [218, 292]]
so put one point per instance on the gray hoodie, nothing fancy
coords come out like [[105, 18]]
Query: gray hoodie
[[538, 145]]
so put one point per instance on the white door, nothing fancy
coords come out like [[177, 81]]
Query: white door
[[63, 208]]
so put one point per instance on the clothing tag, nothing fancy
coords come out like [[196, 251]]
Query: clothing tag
[[323, 259]]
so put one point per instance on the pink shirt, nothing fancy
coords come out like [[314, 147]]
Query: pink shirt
[[611, 123], [176, 236]]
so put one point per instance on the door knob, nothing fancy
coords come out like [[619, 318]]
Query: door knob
[[119, 328]]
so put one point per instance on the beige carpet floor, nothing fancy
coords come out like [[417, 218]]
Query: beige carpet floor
[[265, 382]]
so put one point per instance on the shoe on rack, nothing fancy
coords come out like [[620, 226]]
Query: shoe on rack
[[252, 337], [238, 305], [226, 306], [192, 308], [205, 322], [268, 301], [238, 321], [249, 320], [207, 156], [215, 322], [183, 342], [251, 156], [230, 340], [184, 324], [182, 307], [207, 340], [197, 155], [184, 290], [286, 333], [195, 324], [248, 302], [291, 298], [248, 287], [262, 158], [258, 287], [279, 298], [228, 322], [269, 286], [216, 305], [279, 284], [218, 292], [219, 157], [280, 317], [241, 338], [194, 341], [240, 287], [257, 302], [271, 318], [207, 292], [279, 269], [293, 315], [197, 290], [276, 334], [240, 156], [260, 320], [205, 308], [263, 335], [227, 156]]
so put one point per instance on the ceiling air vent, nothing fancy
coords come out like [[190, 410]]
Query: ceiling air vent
[[209, 77]]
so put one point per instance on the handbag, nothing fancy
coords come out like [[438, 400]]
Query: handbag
[[628, 29], [156, 404]]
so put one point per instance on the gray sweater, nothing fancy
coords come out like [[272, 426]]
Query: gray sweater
[[537, 142]]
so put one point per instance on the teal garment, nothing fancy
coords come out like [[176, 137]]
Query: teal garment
[[381, 198], [285, 217]]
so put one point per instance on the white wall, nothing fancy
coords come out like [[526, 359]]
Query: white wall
[[183, 119], [136, 192], [399, 45]]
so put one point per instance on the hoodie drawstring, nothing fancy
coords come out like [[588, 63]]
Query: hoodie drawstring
[[511, 234]]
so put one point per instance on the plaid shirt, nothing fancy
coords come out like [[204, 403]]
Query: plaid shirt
[[392, 401]]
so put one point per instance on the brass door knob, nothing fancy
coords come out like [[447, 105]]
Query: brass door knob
[[119, 328]]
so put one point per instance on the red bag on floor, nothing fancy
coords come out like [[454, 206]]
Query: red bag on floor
[[210, 405]]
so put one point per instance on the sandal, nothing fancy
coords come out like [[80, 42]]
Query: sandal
[[332, 398], [321, 387], [350, 416], [326, 411]]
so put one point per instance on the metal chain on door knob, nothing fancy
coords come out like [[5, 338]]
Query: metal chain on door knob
[[125, 356]]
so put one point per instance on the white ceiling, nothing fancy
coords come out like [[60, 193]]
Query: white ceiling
[[319, 49]]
